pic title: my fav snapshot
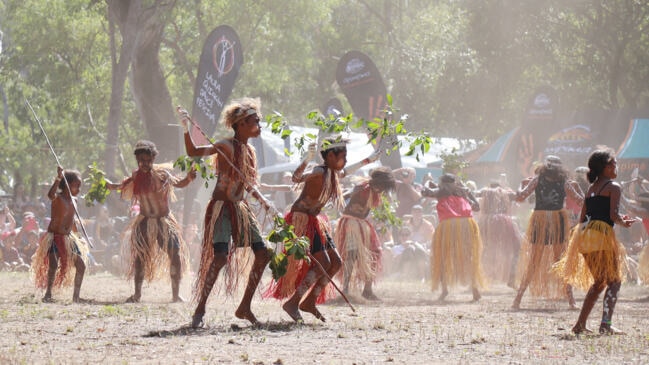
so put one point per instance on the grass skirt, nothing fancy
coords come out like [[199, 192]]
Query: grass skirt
[[69, 247], [239, 261], [501, 239], [643, 265], [309, 226], [151, 241], [456, 253], [545, 242], [593, 254], [356, 236]]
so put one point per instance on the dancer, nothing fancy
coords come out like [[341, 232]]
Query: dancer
[[456, 247], [321, 186], [156, 238], [359, 242], [547, 232], [228, 215], [60, 247], [500, 234], [595, 259], [640, 208]]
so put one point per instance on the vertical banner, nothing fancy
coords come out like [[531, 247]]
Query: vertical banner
[[333, 107], [363, 86], [218, 69], [538, 125]]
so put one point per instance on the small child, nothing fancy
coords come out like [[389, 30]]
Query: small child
[[60, 247]]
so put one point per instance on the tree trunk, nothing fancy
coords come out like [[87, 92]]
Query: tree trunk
[[151, 94], [125, 15]]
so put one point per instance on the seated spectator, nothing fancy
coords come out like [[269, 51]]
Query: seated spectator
[[409, 258], [13, 259], [28, 250], [421, 230], [7, 221], [29, 223]]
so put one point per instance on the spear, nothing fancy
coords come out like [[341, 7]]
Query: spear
[[67, 186], [183, 113]]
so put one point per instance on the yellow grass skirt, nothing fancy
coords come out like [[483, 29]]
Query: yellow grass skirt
[[455, 254], [593, 254], [643, 265], [544, 243]]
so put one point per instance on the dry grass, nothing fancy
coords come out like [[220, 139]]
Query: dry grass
[[408, 327]]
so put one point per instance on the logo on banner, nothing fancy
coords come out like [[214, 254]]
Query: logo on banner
[[354, 66], [223, 56]]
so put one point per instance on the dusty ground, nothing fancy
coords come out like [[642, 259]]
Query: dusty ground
[[408, 327]]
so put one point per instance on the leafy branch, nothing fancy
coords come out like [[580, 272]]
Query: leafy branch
[[185, 163], [453, 162], [388, 129], [298, 247], [385, 214], [385, 128], [98, 191]]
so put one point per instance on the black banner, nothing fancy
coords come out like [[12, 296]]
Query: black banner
[[538, 125], [218, 69], [333, 107], [363, 86]]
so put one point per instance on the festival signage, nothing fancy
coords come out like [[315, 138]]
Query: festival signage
[[218, 69], [538, 125], [573, 144], [363, 86], [333, 107]]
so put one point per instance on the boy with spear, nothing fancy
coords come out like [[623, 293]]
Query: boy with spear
[[228, 215], [59, 243], [60, 246]]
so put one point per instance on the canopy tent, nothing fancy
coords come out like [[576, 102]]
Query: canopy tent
[[498, 149], [634, 145]]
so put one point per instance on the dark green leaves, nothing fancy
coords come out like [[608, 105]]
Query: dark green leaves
[[98, 191], [184, 163], [298, 247]]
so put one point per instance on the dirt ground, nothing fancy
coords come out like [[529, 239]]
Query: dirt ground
[[408, 327]]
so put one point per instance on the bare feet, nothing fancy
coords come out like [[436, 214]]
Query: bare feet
[[246, 314], [517, 302], [311, 308], [443, 295], [607, 329], [371, 296], [579, 329], [197, 320], [133, 299], [476, 295], [292, 311]]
